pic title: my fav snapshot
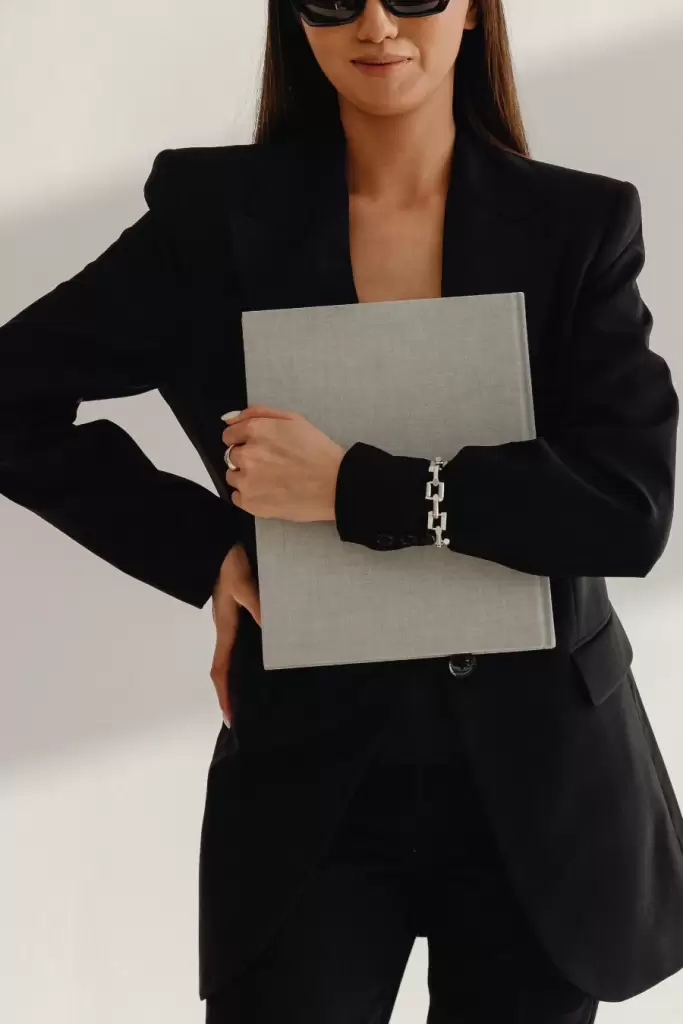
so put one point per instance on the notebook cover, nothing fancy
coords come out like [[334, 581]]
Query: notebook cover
[[417, 377]]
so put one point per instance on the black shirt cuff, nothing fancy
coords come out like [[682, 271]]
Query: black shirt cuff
[[381, 499]]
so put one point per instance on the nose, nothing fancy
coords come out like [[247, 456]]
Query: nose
[[376, 23]]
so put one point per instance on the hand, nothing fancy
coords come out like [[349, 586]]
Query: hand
[[235, 586], [286, 467]]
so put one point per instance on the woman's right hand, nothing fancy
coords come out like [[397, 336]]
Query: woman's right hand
[[235, 586]]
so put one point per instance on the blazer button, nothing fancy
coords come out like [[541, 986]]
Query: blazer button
[[462, 666], [385, 540]]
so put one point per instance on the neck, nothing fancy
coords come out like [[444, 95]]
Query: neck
[[402, 160]]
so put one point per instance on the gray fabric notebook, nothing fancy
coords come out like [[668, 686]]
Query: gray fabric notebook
[[417, 377]]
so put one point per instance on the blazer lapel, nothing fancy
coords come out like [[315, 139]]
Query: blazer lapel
[[489, 220], [289, 224], [289, 227]]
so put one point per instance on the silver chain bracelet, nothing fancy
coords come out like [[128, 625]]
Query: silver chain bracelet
[[440, 517]]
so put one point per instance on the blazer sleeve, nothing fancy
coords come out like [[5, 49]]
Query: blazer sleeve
[[112, 330], [594, 499]]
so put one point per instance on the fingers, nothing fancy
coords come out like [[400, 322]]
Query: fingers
[[252, 602], [220, 678], [220, 667], [245, 587], [235, 587]]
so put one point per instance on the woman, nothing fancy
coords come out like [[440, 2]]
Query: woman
[[512, 808]]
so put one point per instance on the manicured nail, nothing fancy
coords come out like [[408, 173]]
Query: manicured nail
[[227, 722], [231, 415]]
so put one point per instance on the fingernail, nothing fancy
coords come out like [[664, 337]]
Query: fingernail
[[227, 722], [231, 415]]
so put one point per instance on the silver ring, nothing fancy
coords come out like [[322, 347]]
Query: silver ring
[[226, 457]]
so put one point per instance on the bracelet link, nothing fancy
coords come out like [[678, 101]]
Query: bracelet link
[[436, 520]]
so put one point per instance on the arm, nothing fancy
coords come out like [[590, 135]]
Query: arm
[[596, 498], [113, 329]]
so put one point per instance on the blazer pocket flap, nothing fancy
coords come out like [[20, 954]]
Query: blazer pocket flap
[[604, 659]]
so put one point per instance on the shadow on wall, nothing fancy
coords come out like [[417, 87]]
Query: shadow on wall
[[621, 117], [616, 114]]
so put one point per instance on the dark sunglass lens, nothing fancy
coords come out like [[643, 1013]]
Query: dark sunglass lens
[[414, 8], [339, 12], [328, 12]]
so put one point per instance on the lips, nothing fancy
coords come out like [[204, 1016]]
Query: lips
[[375, 63]]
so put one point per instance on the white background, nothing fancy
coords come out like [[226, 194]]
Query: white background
[[109, 715]]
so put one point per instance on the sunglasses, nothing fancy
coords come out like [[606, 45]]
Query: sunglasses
[[324, 13]]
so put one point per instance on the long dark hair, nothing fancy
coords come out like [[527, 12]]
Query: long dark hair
[[297, 101]]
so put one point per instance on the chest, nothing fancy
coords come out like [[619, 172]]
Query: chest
[[396, 254]]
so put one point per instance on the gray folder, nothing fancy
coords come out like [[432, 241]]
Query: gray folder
[[417, 377]]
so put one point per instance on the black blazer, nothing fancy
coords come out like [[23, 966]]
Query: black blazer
[[559, 742]]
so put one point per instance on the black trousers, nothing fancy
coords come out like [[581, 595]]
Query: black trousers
[[414, 857]]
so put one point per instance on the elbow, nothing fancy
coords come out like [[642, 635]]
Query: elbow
[[654, 542], [644, 538], [643, 527]]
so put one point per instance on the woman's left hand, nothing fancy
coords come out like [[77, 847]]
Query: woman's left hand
[[286, 467]]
